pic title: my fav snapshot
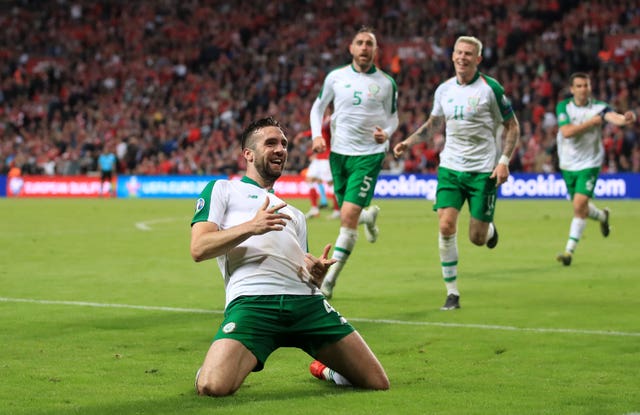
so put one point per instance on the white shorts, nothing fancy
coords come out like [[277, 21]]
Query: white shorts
[[319, 169]]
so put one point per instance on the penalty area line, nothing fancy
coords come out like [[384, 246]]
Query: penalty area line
[[355, 319]]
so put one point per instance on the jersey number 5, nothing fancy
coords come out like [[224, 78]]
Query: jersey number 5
[[356, 97]]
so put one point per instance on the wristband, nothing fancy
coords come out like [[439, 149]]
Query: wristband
[[504, 160], [604, 112]]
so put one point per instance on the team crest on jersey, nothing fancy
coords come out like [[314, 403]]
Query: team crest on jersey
[[374, 89], [199, 204], [473, 104], [229, 327]]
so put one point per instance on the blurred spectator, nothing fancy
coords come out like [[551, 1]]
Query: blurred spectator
[[181, 78]]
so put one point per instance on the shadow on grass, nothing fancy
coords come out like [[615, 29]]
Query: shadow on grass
[[303, 397]]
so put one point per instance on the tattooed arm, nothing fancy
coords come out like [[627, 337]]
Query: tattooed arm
[[424, 133], [511, 136]]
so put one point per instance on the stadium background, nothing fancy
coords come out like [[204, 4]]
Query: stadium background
[[168, 86], [105, 313]]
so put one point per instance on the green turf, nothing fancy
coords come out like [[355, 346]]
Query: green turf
[[532, 337]]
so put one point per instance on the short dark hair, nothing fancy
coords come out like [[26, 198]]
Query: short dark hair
[[366, 29], [256, 125], [575, 75]]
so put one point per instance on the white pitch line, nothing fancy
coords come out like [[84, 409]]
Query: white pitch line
[[362, 320], [496, 327], [110, 305], [146, 225]]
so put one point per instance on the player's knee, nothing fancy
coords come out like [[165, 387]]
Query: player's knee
[[215, 390], [383, 384], [447, 228], [206, 386], [375, 378], [478, 238], [379, 383]]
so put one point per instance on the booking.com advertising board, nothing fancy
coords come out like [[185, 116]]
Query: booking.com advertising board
[[519, 186], [404, 186]]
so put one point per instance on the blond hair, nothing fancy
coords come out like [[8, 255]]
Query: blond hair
[[472, 40]]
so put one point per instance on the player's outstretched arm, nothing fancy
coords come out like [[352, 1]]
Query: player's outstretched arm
[[621, 120], [424, 133]]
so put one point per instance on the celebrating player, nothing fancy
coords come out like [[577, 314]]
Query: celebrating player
[[471, 168], [364, 117], [271, 282], [580, 152]]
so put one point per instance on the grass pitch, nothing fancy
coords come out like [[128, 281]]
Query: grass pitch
[[103, 312]]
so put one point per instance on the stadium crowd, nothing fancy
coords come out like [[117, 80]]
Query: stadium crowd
[[168, 85]]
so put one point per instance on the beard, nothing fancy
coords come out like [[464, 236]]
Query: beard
[[269, 174]]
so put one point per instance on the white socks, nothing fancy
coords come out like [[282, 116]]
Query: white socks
[[333, 376], [344, 246], [449, 262], [575, 233], [595, 213]]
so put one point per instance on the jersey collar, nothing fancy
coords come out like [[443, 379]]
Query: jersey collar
[[369, 72], [475, 77], [587, 104], [247, 180]]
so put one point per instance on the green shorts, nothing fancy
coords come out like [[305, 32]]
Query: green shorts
[[454, 187], [354, 177], [266, 322], [581, 181]]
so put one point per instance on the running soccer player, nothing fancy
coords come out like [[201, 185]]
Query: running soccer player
[[363, 119], [581, 153], [472, 166]]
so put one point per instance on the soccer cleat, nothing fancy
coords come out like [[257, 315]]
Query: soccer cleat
[[565, 258], [453, 301], [335, 215], [314, 212], [604, 226], [493, 241], [370, 229], [317, 369], [327, 289]]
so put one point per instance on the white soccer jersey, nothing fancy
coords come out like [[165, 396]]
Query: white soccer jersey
[[474, 113], [361, 101], [268, 264], [585, 150]]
